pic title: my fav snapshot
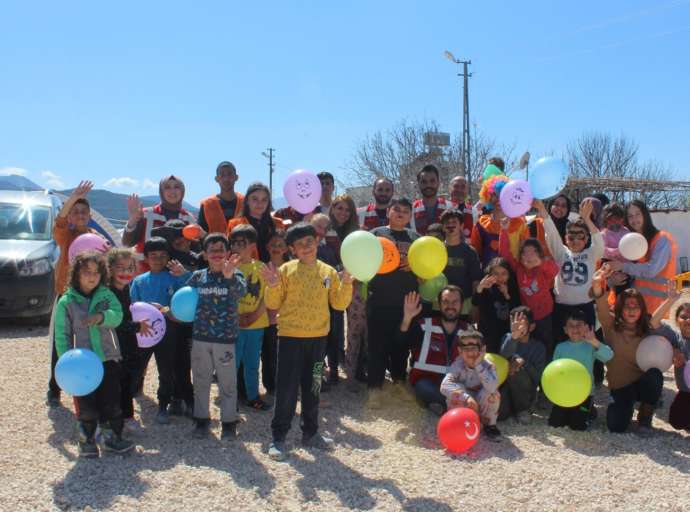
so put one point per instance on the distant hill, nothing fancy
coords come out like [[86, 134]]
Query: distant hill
[[16, 182], [114, 206]]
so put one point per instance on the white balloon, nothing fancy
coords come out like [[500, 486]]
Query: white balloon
[[633, 246], [654, 352]]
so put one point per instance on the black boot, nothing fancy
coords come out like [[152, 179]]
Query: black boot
[[87, 443], [229, 430], [201, 430], [113, 441]]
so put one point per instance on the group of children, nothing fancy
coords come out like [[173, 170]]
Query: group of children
[[537, 301]]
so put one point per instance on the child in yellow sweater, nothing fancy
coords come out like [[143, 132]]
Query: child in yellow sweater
[[302, 290]]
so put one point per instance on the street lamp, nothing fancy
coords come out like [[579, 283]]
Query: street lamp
[[465, 115]]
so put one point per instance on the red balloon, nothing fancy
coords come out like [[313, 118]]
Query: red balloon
[[458, 429]]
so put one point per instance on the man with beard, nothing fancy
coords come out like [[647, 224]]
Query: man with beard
[[428, 210], [376, 214], [458, 191], [434, 344], [215, 211]]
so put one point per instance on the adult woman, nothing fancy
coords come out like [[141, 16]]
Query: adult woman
[[344, 220], [256, 211], [653, 272], [623, 332], [559, 209], [343, 215], [141, 221]]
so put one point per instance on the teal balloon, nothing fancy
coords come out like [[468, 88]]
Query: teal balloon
[[362, 255], [491, 170], [548, 177], [430, 288], [184, 302]]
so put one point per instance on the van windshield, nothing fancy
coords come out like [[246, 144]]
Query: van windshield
[[24, 222]]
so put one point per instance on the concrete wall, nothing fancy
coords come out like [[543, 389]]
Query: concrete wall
[[676, 222]]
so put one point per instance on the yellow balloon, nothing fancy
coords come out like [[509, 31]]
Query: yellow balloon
[[501, 365], [427, 257], [566, 382]]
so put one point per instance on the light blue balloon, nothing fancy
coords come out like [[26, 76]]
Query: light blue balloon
[[79, 372], [548, 177], [183, 303]]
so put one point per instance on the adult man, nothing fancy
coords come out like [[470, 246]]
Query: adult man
[[215, 211], [434, 344], [458, 191], [428, 210], [291, 215], [376, 214], [463, 268], [385, 306]]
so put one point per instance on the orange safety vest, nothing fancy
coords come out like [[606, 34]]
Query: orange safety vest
[[215, 218], [655, 289]]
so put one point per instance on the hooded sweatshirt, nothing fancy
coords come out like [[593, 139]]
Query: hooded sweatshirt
[[73, 308]]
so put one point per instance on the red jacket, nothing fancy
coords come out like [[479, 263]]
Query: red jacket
[[418, 222], [369, 219], [431, 357], [535, 284]]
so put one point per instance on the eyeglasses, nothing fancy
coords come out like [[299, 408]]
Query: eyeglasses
[[238, 243], [470, 347], [576, 236]]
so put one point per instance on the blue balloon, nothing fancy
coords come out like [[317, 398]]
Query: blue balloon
[[79, 371], [548, 177], [183, 303]]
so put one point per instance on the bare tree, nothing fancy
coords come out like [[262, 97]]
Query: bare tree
[[600, 162], [399, 153]]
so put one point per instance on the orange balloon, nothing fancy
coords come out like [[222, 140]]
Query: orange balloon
[[391, 256], [191, 232]]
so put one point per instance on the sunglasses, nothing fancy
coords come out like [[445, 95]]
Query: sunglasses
[[470, 347]]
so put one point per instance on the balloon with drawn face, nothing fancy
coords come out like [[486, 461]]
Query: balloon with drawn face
[[302, 189], [516, 198], [145, 311], [458, 429]]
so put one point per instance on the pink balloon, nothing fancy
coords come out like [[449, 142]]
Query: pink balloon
[[516, 198], [87, 242], [302, 189], [145, 311]]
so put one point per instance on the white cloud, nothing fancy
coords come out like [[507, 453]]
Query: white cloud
[[52, 179], [124, 181], [149, 184], [8, 171]]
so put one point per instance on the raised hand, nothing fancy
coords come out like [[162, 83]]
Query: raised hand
[[487, 282], [586, 208], [175, 267], [541, 209], [270, 274], [518, 326], [345, 277], [231, 263], [591, 338], [134, 209], [412, 306], [82, 189]]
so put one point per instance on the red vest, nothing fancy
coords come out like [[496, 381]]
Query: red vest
[[368, 218], [153, 217], [419, 222], [431, 359]]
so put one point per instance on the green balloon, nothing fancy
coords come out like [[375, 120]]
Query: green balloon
[[491, 170], [430, 288], [566, 382], [362, 254]]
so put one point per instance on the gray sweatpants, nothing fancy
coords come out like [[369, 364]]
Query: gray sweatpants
[[220, 357]]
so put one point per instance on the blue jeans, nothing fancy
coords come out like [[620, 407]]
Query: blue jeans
[[248, 354], [428, 392]]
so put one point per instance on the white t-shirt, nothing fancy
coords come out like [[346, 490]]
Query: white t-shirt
[[574, 279]]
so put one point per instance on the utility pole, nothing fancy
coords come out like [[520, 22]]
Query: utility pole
[[269, 155], [465, 117]]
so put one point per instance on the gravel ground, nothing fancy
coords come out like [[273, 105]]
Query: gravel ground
[[384, 460]]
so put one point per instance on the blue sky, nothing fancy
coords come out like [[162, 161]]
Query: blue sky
[[140, 90]]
